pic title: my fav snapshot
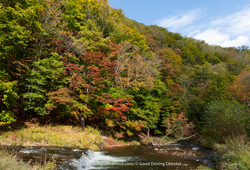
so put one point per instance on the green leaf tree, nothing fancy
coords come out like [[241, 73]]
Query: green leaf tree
[[8, 97], [48, 76]]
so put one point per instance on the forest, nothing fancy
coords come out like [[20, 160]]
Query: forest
[[86, 61]]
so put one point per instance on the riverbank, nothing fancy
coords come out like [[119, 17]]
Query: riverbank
[[234, 153], [61, 135], [34, 135]]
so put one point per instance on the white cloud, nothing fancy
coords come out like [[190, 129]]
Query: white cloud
[[174, 23], [215, 37], [212, 36], [239, 41], [237, 23], [232, 30], [227, 31], [193, 33]]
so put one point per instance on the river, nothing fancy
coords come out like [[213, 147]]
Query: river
[[180, 156]]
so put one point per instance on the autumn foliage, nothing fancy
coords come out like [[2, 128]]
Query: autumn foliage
[[240, 89], [86, 61]]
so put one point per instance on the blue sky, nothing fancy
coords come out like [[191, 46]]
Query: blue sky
[[218, 22]]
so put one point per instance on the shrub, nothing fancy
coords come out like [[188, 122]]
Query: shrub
[[236, 152], [225, 117]]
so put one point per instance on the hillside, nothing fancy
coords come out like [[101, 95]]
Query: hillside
[[86, 61]]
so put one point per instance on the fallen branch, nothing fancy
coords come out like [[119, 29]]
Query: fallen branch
[[177, 140], [172, 141], [169, 132]]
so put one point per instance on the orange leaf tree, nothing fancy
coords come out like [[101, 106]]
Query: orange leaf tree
[[177, 123], [241, 87]]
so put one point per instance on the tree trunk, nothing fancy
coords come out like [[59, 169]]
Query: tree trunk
[[148, 131], [82, 122]]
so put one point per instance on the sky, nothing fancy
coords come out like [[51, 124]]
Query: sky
[[217, 22]]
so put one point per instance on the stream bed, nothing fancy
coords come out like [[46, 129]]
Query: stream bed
[[180, 156]]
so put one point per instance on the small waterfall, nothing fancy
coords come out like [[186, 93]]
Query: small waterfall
[[84, 161], [100, 160]]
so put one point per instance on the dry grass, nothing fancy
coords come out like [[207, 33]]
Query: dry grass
[[10, 162], [65, 136]]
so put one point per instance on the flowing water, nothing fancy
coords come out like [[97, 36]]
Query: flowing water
[[180, 156]]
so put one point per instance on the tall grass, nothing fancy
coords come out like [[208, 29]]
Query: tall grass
[[235, 152]]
